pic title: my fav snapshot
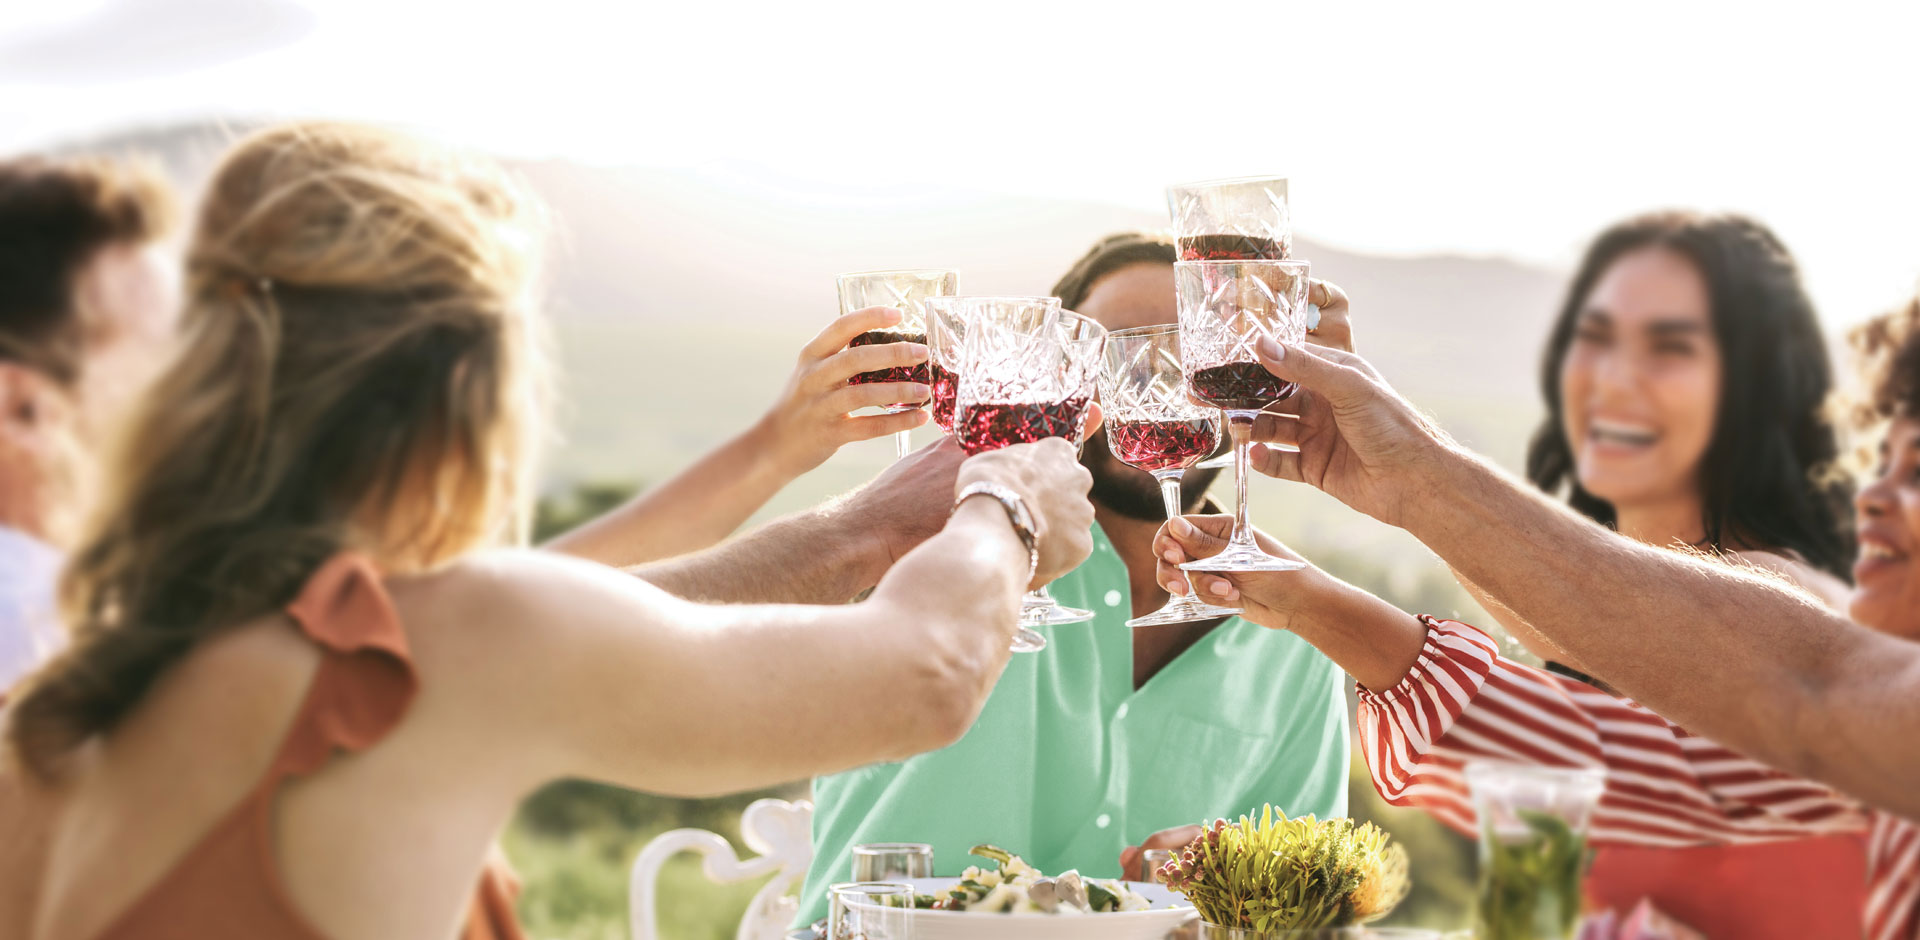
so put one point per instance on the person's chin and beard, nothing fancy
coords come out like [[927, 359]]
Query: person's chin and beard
[[1134, 493]]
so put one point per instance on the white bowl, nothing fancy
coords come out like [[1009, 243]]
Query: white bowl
[[1170, 911]]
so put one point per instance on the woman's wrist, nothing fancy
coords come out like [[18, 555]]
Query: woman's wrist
[[780, 454], [1374, 641]]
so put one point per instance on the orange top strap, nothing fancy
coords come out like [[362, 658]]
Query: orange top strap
[[366, 682]]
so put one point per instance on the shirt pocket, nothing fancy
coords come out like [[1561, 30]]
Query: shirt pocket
[[1210, 769]]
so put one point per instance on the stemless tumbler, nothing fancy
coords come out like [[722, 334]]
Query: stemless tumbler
[[870, 910], [892, 861]]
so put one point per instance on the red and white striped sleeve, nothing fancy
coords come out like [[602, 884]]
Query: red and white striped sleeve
[[1665, 787]]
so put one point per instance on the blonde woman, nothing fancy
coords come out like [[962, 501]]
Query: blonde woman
[[305, 688]]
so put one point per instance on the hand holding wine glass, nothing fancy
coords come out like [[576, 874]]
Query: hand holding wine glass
[[1226, 309], [1358, 440], [1269, 598], [1153, 426], [906, 291], [1028, 371], [1048, 476], [813, 417], [909, 501]]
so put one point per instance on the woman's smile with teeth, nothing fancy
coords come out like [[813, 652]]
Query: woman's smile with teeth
[[1620, 433]]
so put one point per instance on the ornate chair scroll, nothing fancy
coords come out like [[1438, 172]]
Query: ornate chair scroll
[[782, 834]]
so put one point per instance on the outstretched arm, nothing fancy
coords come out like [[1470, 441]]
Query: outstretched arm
[[810, 420], [827, 554], [1437, 695], [579, 671], [1733, 655]]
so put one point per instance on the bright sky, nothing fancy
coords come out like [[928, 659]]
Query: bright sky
[[1514, 129]]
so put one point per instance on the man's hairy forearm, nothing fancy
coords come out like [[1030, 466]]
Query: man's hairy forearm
[[820, 556], [1725, 653]]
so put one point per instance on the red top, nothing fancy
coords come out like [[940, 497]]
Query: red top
[[1668, 792], [228, 886]]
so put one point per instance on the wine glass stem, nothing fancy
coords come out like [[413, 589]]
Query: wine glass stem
[[1170, 492], [902, 444], [1240, 426]]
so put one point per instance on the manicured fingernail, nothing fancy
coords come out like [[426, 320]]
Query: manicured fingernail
[[1220, 586], [1183, 527], [1172, 555], [924, 391], [1174, 586], [1269, 348], [917, 350]]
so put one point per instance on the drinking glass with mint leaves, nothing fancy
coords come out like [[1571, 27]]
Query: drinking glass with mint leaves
[[906, 291], [1153, 425], [1226, 309], [1028, 371], [1533, 847]]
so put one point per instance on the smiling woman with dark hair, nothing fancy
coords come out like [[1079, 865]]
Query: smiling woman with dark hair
[[1686, 382], [1437, 694]]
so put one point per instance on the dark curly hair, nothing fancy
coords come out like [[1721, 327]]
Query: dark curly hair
[[1767, 479], [1888, 350]]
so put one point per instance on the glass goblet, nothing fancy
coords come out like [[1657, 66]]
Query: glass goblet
[[907, 291], [1153, 425], [1226, 309]]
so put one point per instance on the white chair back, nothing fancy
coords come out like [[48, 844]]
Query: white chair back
[[780, 831]]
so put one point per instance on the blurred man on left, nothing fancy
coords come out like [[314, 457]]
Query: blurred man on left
[[88, 300]]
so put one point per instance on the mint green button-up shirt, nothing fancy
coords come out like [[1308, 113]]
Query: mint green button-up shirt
[[1068, 763]]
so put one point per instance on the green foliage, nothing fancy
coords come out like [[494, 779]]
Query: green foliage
[[1290, 874], [1530, 886], [556, 514]]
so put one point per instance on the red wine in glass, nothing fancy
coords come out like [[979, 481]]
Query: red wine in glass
[[914, 373], [1162, 445], [946, 385], [1230, 248], [984, 426], [1238, 386]]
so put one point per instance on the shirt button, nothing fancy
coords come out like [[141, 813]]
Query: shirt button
[[1103, 820], [1113, 598], [1120, 712]]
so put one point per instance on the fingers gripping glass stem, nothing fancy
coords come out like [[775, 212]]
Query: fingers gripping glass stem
[[1242, 552], [1181, 608]]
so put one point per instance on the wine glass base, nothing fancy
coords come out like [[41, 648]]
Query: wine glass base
[[1027, 641], [1053, 615], [1243, 558], [1183, 610]]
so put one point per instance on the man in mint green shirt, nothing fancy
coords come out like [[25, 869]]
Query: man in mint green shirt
[[1109, 734]]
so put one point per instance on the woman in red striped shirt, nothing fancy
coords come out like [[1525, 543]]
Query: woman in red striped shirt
[[1437, 694]]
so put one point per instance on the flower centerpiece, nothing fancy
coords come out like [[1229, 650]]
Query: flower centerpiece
[[1289, 874]]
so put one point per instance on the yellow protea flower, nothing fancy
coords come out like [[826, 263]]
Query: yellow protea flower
[[1282, 874]]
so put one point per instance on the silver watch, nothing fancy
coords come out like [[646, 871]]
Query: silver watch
[[1016, 513]]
